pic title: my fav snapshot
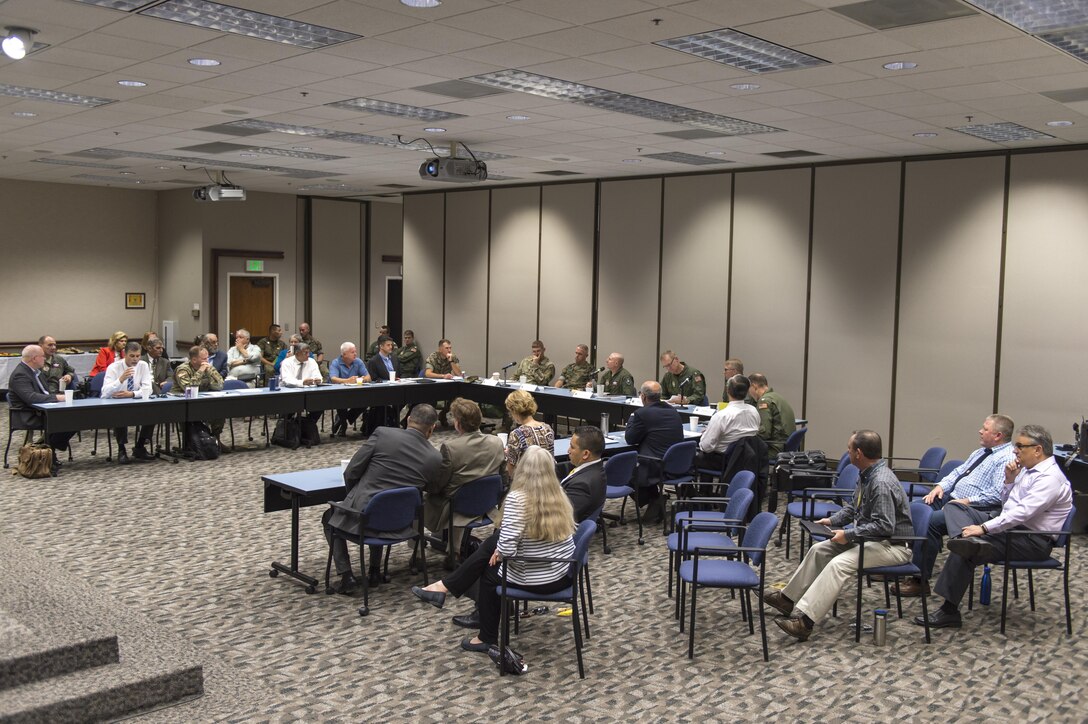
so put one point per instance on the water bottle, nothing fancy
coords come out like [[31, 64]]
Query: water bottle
[[984, 588], [604, 423], [880, 627]]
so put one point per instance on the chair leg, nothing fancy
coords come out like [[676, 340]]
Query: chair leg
[[623, 511], [578, 635], [585, 611], [328, 572], [1065, 586], [925, 616], [1031, 590], [971, 593], [504, 632], [230, 423], [638, 517], [589, 588], [857, 611], [1015, 586], [787, 528], [681, 601], [604, 538], [1004, 597], [898, 598], [691, 625], [763, 623], [6, 449], [364, 579], [746, 601]]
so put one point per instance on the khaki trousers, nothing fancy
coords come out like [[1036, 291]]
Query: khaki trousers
[[827, 566]]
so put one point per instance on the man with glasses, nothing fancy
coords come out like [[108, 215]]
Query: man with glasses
[[976, 483], [1036, 497]]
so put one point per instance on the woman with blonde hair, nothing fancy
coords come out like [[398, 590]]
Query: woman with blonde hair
[[528, 432], [538, 521], [113, 351]]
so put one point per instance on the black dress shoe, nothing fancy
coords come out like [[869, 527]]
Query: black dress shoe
[[435, 598], [348, 584], [973, 550], [141, 454], [941, 619], [469, 620], [480, 648], [122, 457]]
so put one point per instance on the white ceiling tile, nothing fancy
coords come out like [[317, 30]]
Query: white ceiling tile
[[640, 57], [977, 90], [634, 83], [1064, 81], [238, 46], [581, 12], [577, 41], [953, 32], [733, 13], [508, 55], [449, 67], [702, 71], [505, 22], [641, 27], [351, 18], [805, 28], [857, 47], [573, 69], [378, 52], [862, 89], [438, 38], [994, 51]]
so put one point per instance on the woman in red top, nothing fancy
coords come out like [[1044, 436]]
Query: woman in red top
[[114, 350]]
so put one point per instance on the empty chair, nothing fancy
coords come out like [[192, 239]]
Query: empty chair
[[675, 467], [927, 469], [719, 531], [618, 472]]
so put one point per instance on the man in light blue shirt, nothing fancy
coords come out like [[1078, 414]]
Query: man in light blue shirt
[[976, 483], [347, 369]]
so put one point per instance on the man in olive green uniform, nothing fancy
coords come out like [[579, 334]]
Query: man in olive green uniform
[[616, 379], [199, 373], [776, 418], [383, 331], [681, 384], [731, 367], [56, 368], [577, 373], [411, 359], [442, 364], [270, 347], [537, 368], [315, 349]]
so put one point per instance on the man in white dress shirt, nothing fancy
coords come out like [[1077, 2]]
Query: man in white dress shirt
[[130, 377], [299, 370], [736, 420]]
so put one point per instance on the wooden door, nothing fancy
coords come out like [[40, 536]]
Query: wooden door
[[252, 304]]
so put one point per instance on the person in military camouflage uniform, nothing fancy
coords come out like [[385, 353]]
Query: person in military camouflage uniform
[[616, 379], [56, 368], [383, 331], [681, 384], [270, 347], [411, 359], [442, 364], [537, 368], [776, 418], [315, 349], [199, 373], [577, 373]]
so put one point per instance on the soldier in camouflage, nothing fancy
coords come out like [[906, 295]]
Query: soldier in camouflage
[[411, 359], [776, 418], [56, 368], [383, 331], [270, 347], [199, 373], [442, 364], [315, 349], [616, 379], [577, 373], [537, 368], [681, 384]]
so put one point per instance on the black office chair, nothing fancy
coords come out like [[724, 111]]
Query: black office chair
[[13, 426]]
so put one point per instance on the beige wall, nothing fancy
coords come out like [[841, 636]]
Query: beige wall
[[69, 254], [424, 255], [830, 345], [337, 244], [466, 280], [385, 240]]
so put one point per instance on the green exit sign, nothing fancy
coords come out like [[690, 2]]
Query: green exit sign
[[254, 265]]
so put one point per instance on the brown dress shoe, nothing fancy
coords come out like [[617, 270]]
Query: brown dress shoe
[[795, 627], [777, 600], [910, 588]]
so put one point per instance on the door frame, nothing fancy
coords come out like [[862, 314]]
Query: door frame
[[275, 299]]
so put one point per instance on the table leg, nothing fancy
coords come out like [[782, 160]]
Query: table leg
[[292, 571]]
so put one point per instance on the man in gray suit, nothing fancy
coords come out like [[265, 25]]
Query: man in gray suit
[[467, 457], [390, 458]]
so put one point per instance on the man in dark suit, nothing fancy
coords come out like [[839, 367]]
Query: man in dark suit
[[216, 357], [469, 456], [25, 389], [654, 427], [390, 458], [585, 486], [380, 367]]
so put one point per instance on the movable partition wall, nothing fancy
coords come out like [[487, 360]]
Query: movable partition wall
[[885, 295]]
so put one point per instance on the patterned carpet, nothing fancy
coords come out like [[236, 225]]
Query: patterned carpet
[[189, 547]]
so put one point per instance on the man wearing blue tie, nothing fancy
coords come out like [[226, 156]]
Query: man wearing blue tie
[[130, 377], [977, 483]]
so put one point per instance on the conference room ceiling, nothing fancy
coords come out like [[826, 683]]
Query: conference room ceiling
[[610, 91]]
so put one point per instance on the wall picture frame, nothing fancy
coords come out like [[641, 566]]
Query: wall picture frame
[[135, 300]]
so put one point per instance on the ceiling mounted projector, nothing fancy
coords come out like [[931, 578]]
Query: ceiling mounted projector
[[219, 192], [454, 170]]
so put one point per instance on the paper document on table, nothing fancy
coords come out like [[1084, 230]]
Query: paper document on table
[[704, 410]]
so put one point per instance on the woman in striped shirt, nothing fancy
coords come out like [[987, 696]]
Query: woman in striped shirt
[[538, 520]]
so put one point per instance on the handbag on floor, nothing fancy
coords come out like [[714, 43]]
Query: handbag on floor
[[35, 461], [308, 432], [510, 661], [287, 433]]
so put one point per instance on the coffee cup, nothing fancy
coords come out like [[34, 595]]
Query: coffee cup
[[69, 396], [192, 393], [392, 376], [693, 423], [523, 379]]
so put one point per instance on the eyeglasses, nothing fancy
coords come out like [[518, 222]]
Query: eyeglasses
[[1021, 445]]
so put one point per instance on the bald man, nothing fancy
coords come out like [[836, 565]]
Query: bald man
[[654, 428], [25, 389]]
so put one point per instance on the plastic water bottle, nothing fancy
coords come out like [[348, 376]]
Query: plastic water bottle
[[984, 587]]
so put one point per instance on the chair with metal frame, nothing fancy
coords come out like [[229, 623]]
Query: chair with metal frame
[[927, 470], [619, 470], [228, 385], [674, 467], [730, 573], [388, 511], [474, 499], [815, 503], [13, 427], [919, 515], [572, 594], [95, 390], [727, 523]]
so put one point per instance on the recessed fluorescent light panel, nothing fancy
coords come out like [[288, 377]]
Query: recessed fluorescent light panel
[[563, 90], [1002, 132], [291, 153], [690, 159], [1061, 23], [740, 50], [228, 19], [114, 153], [83, 164], [53, 96], [400, 110], [347, 137], [108, 179], [333, 187]]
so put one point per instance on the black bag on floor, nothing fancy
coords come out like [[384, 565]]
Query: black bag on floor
[[308, 433], [201, 442], [287, 434], [509, 660]]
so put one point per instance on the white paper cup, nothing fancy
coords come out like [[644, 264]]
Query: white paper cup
[[392, 376], [600, 389], [69, 396], [523, 379], [495, 376], [693, 423], [503, 436], [194, 392], [344, 465]]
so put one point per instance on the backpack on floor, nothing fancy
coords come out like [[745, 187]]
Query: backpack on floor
[[287, 433], [201, 442]]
